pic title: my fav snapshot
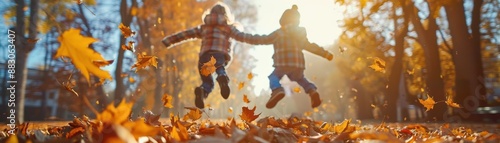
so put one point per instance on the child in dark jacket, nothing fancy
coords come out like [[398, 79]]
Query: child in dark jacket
[[289, 59], [214, 35]]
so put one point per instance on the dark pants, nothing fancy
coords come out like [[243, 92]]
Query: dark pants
[[295, 74], [208, 81]]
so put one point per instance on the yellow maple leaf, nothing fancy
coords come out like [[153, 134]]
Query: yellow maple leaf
[[126, 32], [117, 114], [378, 65], [245, 99], [209, 67], [428, 103], [241, 85], [296, 89], [167, 101], [76, 47], [449, 102], [250, 76], [143, 61], [340, 128], [193, 114], [248, 115]]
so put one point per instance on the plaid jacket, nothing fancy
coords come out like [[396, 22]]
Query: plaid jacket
[[214, 35], [288, 45]]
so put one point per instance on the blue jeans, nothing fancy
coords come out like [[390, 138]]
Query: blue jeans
[[295, 74], [208, 81]]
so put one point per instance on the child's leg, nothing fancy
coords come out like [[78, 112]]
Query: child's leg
[[207, 81], [298, 76], [277, 91], [222, 77]]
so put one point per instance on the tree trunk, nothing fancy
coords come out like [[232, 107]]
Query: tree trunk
[[397, 67], [126, 20], [23, 48], [435, 85], [479, 88]]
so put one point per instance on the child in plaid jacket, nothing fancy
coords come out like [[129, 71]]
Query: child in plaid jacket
[[288, 42], [215, 34]]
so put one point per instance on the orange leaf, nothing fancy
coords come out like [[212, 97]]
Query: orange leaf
[[428, 103], [143, 61], [193, 114], [131, 80], [250, 76], [230, 110], [74, 132], [449, 102], [179, 132], [340, 128], [139, 128], [126, 32], [167, 101], [296, 89], [245, 99], [76, 47], [378, 65], [248, 114], [117, 114], [130, 46], [209, 67], [240, 85], [103, 63]]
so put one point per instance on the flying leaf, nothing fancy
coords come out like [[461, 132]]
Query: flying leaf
[[245, 99], [342, 49], [151, 119], [340, 128], [378, 65], [209, 67], [230, 110], [117, 114], [240, 85], [248, 115], [126, 32], [140, 128], [32, 41], [428, 103], [143, 61], [76, 47], [103, 63], [130, 46], [167, 100], [250, 76], [193, 114], [449, 102], [131, 80], [296, 89]]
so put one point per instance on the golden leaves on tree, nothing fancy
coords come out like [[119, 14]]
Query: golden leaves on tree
[[76, 47], [209, 67]]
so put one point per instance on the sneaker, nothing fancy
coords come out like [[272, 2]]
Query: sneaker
[[276, 96], [223, 81], [198, 100], [315, 99]]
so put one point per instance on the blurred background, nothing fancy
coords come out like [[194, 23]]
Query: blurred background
[[388, 54]]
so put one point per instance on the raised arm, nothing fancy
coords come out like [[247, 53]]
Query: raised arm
[[182, 36], [253, 38], [311, 47]]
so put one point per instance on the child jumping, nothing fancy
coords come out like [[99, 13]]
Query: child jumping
[[289, 59], [214, 33]]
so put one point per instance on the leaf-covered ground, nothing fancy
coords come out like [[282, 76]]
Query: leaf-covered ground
[[115, 125]]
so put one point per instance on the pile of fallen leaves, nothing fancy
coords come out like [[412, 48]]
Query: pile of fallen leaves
[[115, 125]]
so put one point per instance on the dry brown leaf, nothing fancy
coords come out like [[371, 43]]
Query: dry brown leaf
[[193, 114], [76, 47], [126, 32], [143, 61], [428, 103], [32, 41], [449, 102], [74, 132], [130, 46], [245, 99], [209, 67], [248, 115], [167, 100]]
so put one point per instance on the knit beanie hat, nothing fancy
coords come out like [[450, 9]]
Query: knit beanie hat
[[290, 16]]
